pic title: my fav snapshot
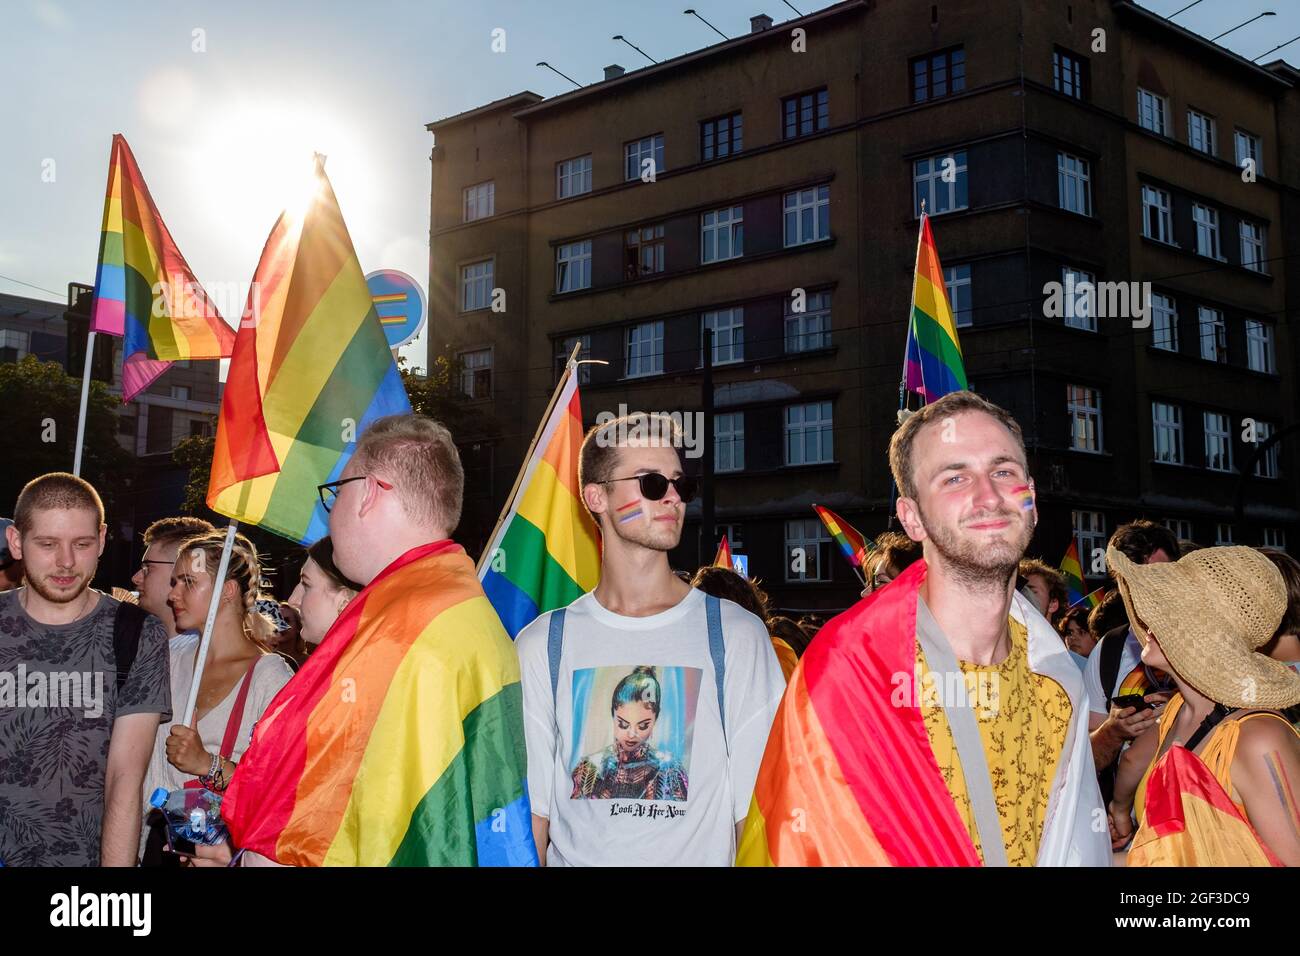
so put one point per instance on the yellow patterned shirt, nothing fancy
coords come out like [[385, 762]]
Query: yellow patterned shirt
[[1023, 718]]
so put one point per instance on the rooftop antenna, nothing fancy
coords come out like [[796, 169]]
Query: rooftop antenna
[[706, 23], [554, 70], [619, 36]]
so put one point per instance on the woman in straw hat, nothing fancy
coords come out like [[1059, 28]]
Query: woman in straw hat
[[1217, 781]]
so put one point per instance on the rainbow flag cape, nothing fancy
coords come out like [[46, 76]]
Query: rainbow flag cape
[[934, 365], [545, 553], [849, 538], [310, 371], [1073, 572], [723, 558], [400, 741], [144, 289]]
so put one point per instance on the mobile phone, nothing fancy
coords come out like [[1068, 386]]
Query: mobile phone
[[1132, 700]]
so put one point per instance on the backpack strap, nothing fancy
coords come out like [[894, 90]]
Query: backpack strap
[[554, 647], [1111, 651], [718, 652], [127, 627]]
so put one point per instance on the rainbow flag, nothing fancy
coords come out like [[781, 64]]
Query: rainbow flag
[[546, 552], [400, 741], [723, 558], [144, 289], [850, 540], [934, 365], [309, 373], [1073, 572]]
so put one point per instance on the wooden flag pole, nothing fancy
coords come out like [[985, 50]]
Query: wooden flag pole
[[201, 661], [85, 399]]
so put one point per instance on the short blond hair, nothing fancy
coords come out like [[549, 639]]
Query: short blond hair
[[954, 403], [421, 457], [58, 489]]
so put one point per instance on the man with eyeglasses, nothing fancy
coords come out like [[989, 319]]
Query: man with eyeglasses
[[153, 579], [646, 703]]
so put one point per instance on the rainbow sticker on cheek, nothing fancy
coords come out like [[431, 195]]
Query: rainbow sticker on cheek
[[1024, 496], [627, 512]]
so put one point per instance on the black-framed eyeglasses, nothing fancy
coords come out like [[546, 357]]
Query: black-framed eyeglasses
[[145, 562], [330, 490], [654, 485]]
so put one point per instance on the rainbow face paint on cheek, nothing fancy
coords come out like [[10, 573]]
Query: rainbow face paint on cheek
[[1024, 496], [628, 512]]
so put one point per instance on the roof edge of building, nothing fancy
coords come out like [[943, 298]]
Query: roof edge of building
[[511, 102]]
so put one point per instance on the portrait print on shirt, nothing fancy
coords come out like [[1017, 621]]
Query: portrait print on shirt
[[632, 728]]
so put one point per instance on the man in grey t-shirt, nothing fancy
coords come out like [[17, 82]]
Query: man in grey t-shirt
[[73, 747]]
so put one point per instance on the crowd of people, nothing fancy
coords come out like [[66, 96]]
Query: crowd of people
[[664, 717]]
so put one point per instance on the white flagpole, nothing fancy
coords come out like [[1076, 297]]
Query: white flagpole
[[213, 604], [85, 398]]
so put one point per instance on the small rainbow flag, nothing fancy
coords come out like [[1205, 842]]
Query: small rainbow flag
[[723, 558], [934, 365], [1073, 572], [144, 289], [545, 553], [850, 540]]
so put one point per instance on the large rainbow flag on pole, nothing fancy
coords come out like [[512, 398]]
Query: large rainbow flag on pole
[[933, 366], [311, 369], [144, 289], [545, 552], [1073, 573]]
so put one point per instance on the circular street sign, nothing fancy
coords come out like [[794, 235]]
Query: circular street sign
[[400, 302]]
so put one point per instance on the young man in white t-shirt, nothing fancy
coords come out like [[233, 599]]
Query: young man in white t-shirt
[[637, 753]]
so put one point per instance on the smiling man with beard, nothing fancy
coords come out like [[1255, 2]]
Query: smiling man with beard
[[940, 721]]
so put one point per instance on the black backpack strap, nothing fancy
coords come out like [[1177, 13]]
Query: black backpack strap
[[127, 627], [1111, 651]]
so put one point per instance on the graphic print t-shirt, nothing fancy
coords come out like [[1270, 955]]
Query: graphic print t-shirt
[[628, 761]]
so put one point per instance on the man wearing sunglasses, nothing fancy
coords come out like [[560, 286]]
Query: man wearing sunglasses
[[646, 703]]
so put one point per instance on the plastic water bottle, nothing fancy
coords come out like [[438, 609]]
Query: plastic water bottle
[[193, 815]]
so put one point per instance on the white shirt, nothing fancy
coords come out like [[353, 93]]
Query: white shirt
[[1129, 659], [638, 772]]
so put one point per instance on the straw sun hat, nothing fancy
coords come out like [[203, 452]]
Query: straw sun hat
[[1211, 611]]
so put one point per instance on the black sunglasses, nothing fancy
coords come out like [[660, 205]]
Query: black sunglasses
[[654, 485]]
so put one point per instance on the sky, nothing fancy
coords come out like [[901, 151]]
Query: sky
[[223, 105]]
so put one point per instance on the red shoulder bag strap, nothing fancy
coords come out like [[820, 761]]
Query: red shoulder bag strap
[[232, 723]]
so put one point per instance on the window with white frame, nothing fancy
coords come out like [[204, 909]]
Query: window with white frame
[[722, 234], [1252, 245], [564, 348], [1200, 132], [573, 266], [1267, 465], [1207, 230], [956, 282], [476, 285], [1275, 538], [1214, 334], [573, 177], [735, 535], [641, 155], [1259, 346], [1167, 432], [1153, 110], [181, 392], [1080, 295], [1181, 527], [1223, 534], [476, 373], [1246, 146], [1157, 218], [1084, 408], [728, 327], [809, 433], [1164, 322], [1218, 441], [644, 349], [729, 442], [1074, 183], [14, 345], [807, 550], [940, 182], [807, 215], [1090, 533], [811, 328], [480, 201]]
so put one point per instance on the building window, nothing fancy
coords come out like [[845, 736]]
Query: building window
[[476, 285], [1259, 346], [644, 351], [637, 152], [1164, 322], [1218, 441], [1207, 231], [735, 535], [807, 551], [1080, 294], [180, 393], [1200, 132], [805, 114], [722, 234], [1152, 111], [1084, 408], [573, 266], [722, 136], [573, 177], [1267, 465], [1074, 184], [1069, 74], [564, 348], [956, 280], [807, 215], [729, 442], [1167, 431], [480, 201], [476, 373], [14, 345], [1246, 146], [940, 182], [809, 435], [1090, 533], [1214, 335], [1222, 534], [811, 328], [643, 251], [1157, 223], [728, 327], [938, 74], [1181, 527], [1252, 245], [1275, 538]]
